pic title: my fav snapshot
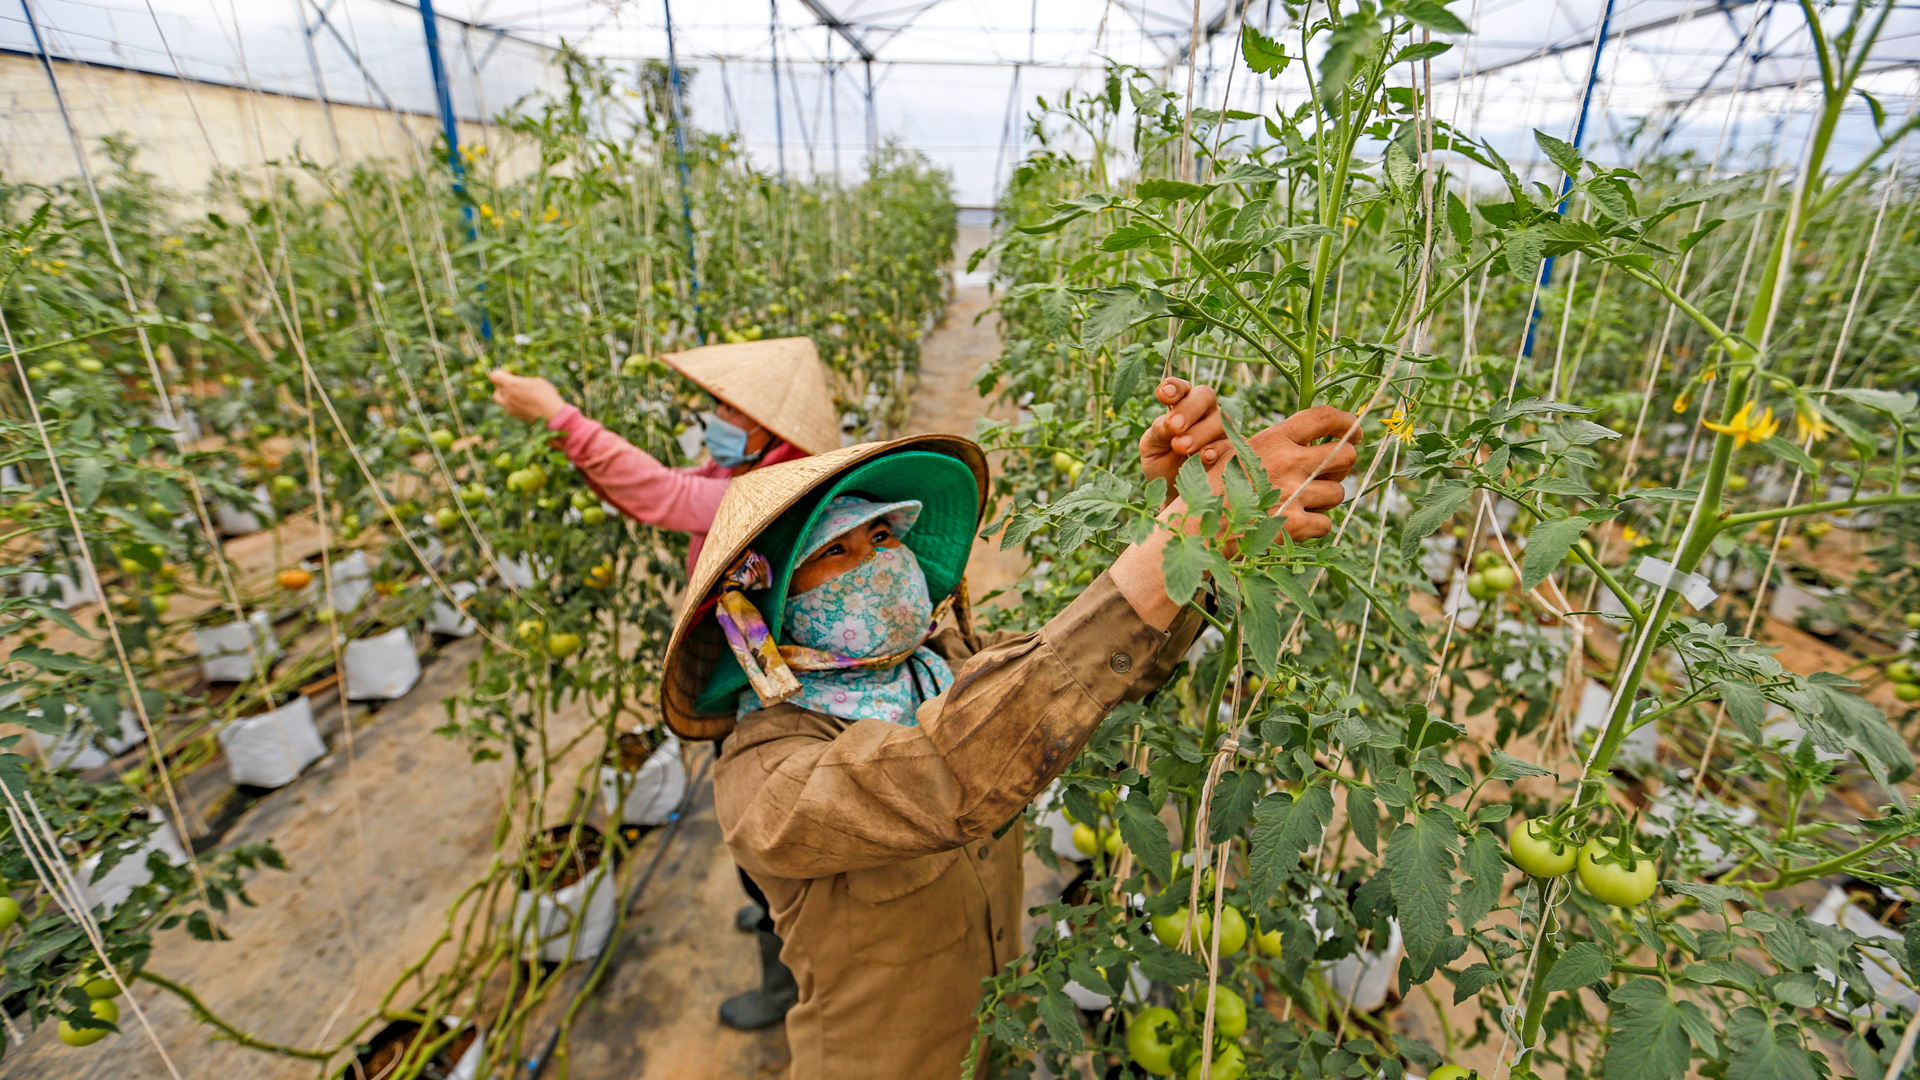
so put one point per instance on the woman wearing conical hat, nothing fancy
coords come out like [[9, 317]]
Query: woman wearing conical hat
[[773, 402], [870, 758]]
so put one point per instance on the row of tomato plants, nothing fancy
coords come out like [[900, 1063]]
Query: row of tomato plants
[[310, 343], [1720, 372]]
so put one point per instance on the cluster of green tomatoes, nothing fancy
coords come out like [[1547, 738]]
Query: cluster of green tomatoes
[[1491, 576], [1167, 1042], [1611, 869], [1901, 673]]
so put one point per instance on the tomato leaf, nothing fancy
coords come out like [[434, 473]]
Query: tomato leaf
[[1264, 55], [1283, 827], [1145, 833], [1765, 1048], [1434, 15], [1446, 499], [1420, 863], [1486, 875], [1183, 564], [1364, 813], [1549, 542], [1471, 981], [1746, 704], [1559, 151], [1583, 964], [1233, 799], [1173, 190], [1647, 1041]]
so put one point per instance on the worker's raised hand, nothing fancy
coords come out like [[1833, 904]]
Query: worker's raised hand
[[1307, 455], [1191, 425], [525, 397]]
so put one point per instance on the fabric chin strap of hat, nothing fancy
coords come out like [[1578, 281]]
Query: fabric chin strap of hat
[[770, 666]]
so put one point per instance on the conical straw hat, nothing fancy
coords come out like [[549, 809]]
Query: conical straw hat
[[947, 472], [780, 382]]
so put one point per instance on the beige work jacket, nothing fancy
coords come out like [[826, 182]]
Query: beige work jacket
[[874, 842]]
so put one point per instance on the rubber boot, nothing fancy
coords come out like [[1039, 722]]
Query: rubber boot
[[768, 1005], [747, 919]]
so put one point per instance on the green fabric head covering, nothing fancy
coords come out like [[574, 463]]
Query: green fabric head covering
[[941, 538]]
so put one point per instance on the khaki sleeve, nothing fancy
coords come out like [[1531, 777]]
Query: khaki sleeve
[[799, 797]]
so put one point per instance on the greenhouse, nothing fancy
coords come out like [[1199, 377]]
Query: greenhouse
[[937, 539]]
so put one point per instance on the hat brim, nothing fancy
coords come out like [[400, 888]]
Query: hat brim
[[771, 508], [901, 515]]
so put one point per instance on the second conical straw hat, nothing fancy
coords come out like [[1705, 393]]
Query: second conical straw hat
[[781, 383]]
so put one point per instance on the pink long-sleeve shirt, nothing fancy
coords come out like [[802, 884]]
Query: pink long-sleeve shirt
[[635, 483]]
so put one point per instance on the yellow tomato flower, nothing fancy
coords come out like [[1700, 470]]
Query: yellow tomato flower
[[1808, 424], [1681, 403], [1746, 427], [1630, 536], [1399, 425]]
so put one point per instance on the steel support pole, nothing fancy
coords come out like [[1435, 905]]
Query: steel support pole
[[680, 162], [773, 49], [1566, 185]]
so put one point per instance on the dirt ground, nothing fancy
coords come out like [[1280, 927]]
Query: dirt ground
[[381, 841]]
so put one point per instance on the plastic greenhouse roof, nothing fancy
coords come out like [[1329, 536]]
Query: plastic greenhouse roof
[[955, 78]]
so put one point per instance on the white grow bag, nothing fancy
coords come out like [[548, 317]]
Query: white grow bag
[[1363, 978], [274, 748], [653, 792], [1639, 748], [234, 520], [77, 749], [352, 580], [1092, 1000], [590, 902], [227, 650], [131, 872], [382, 667], [62, 590], [1791, 602], [444, 618]]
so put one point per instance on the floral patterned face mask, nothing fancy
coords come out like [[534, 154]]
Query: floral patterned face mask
[[878, 608]]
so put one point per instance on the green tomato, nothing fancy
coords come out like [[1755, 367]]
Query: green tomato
[[1613, 883], [101, 1009], [1737, 482], [1229, 1063], [285, 485], [53, 367], [1233, 932], [1112, 843], [1168, 928], [536, 478], [1269, 942], [1229, 1012], [473, 494], [1085, 840], [9, 912], [442, 438], [583, 499], [36, 373], [503, 461], [593, 515], [446, 517], [1452, 1072], [1486, 560], [1150, 1040], [561, 646], [1907, 691], [1478, 588], [529, 630], [90, 365], [1063, 461], [1912, 619], [517, 481], [101, 988], [1537, 856], [1500, 578], [1901, 671]]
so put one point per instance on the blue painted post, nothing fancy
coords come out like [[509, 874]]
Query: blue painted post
[[1566, 185], [450, 127], [686, 201]]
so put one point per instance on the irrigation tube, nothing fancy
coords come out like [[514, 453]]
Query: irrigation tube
[[1566, 185], [536, 1064]]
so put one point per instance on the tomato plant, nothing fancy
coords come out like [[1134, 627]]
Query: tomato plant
[[1548, 596]]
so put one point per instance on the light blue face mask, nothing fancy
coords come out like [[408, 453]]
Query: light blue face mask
[[726, 442]]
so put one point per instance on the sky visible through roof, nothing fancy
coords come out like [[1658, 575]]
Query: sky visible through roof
[[956, 78]]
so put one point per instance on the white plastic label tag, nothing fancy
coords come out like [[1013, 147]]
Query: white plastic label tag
[[1698, 590]]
